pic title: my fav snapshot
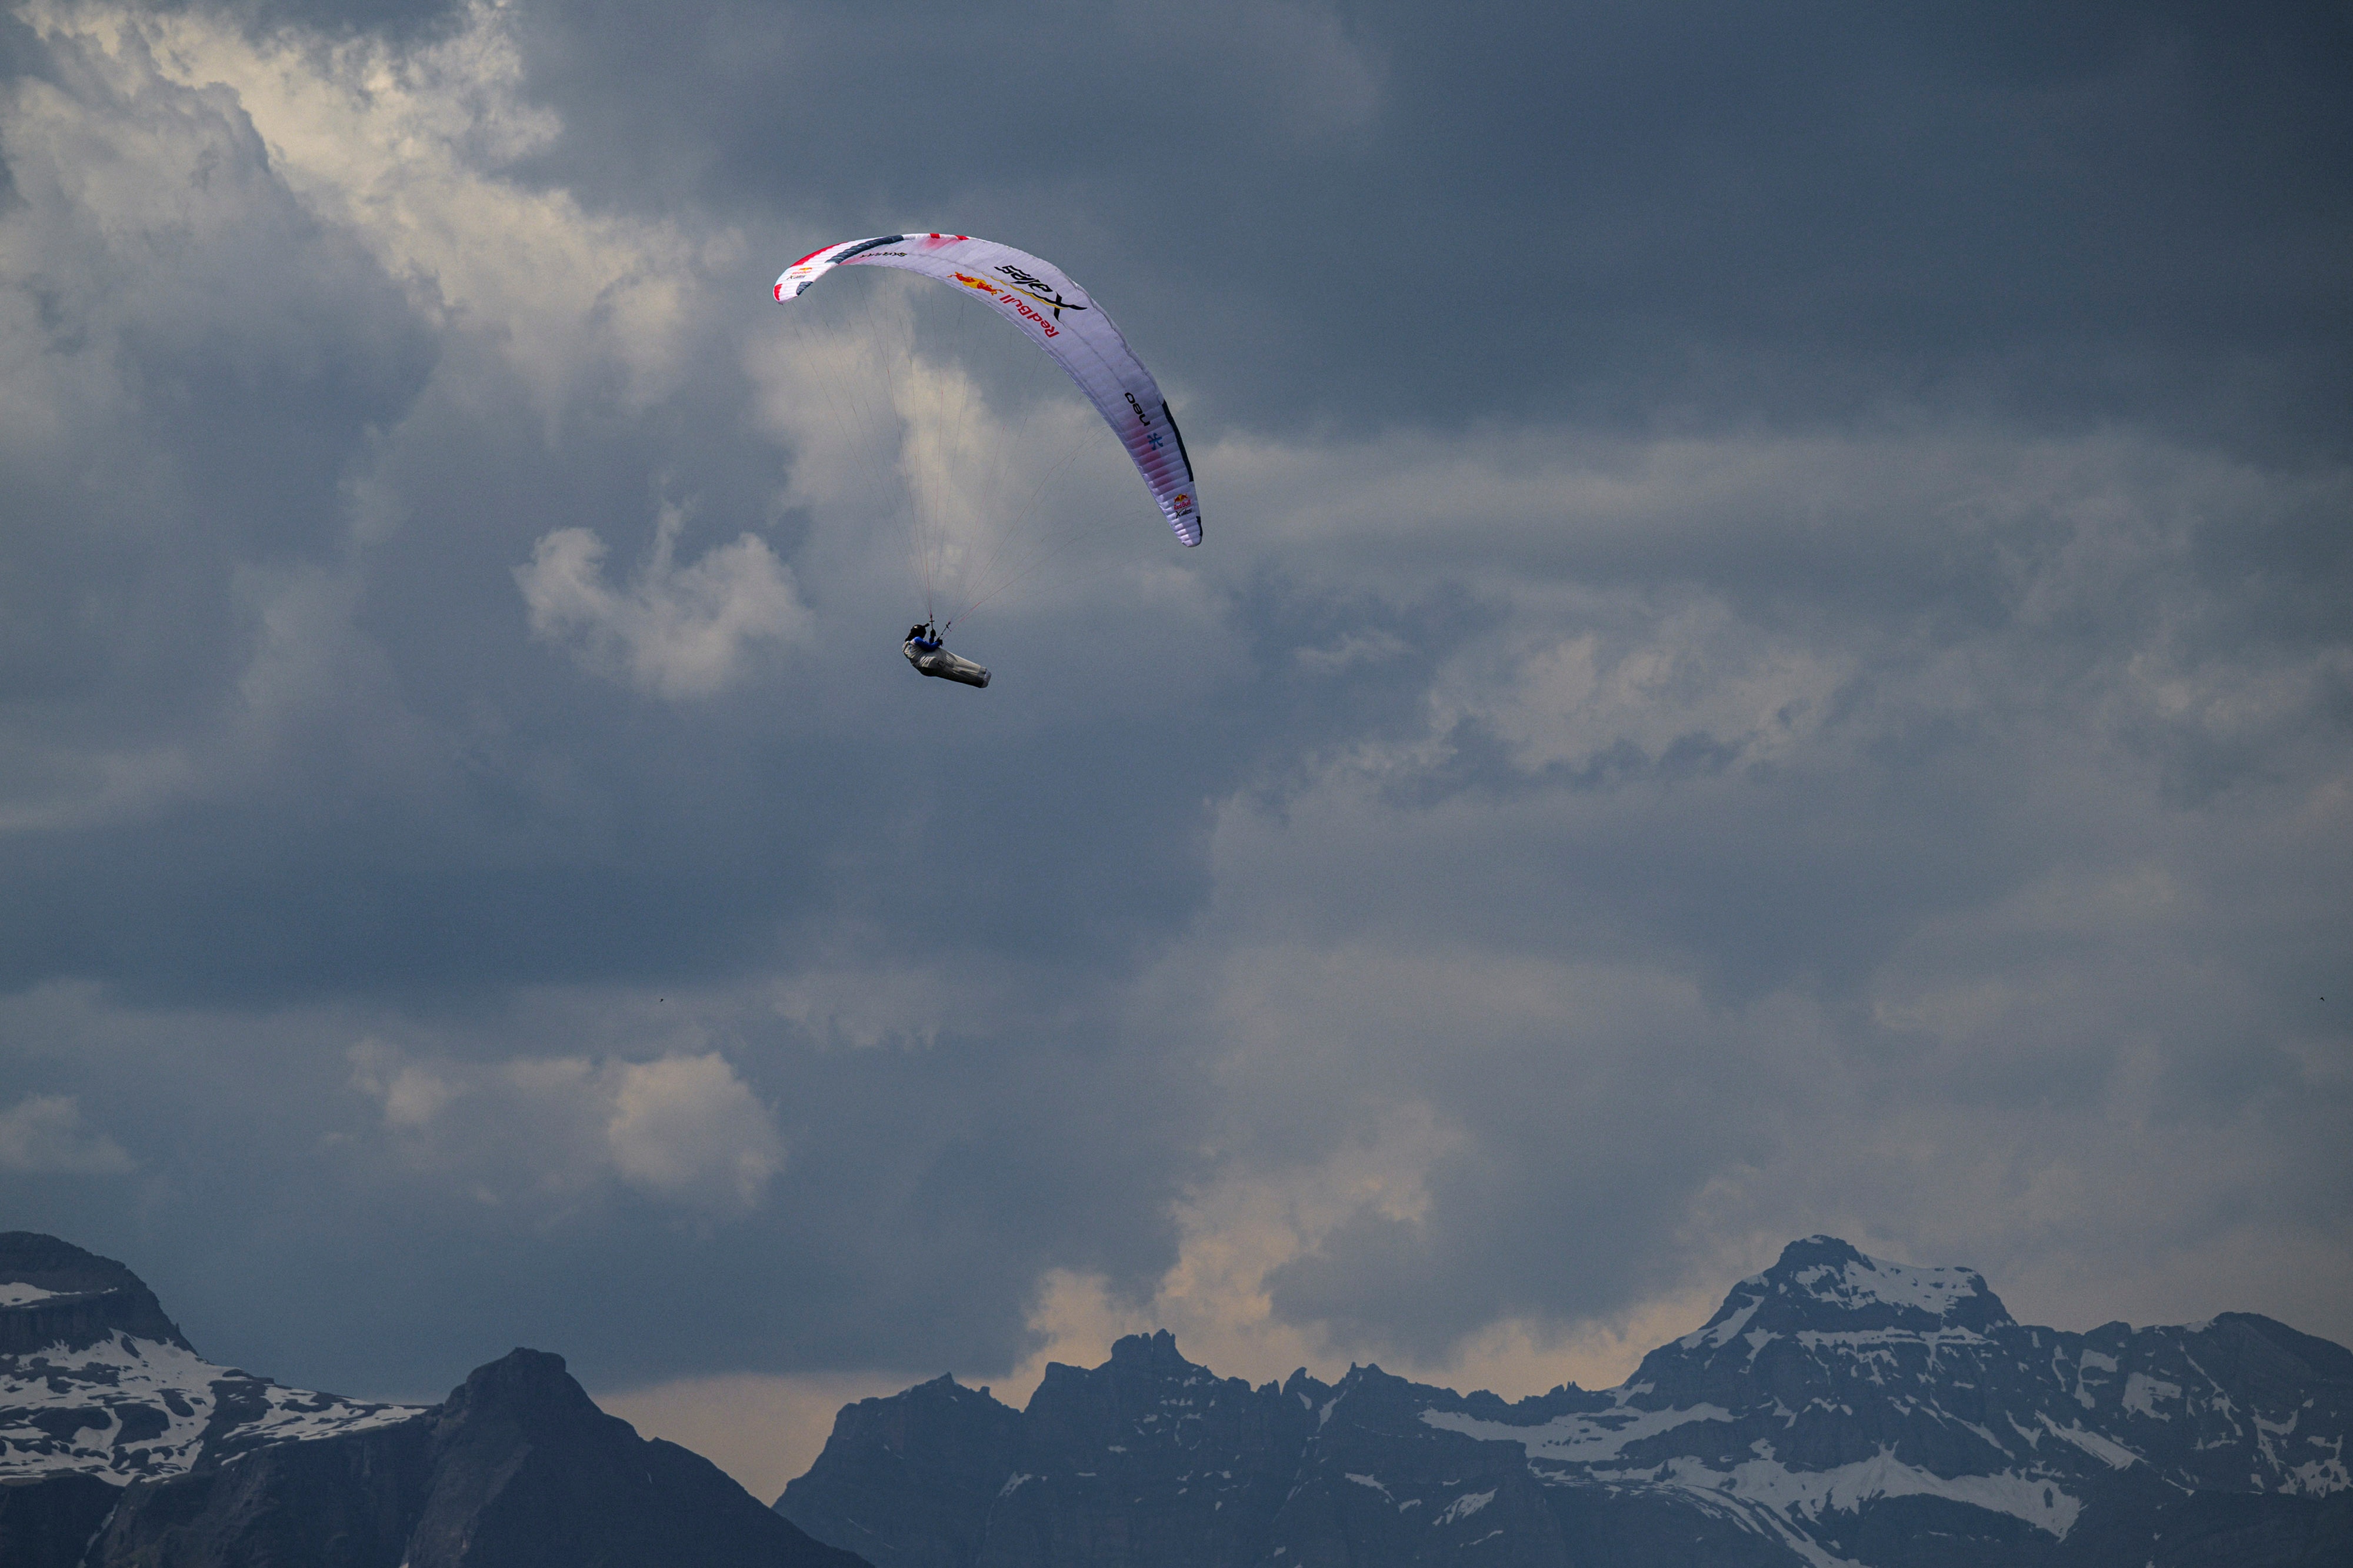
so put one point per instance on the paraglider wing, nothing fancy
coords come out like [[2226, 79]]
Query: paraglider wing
[[1062, 318]]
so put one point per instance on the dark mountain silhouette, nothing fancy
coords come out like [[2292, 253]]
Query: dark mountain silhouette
[[1837, 1409]]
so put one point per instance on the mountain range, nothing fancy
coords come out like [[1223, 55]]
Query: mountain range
[[1838, 1409], [121, 1447]]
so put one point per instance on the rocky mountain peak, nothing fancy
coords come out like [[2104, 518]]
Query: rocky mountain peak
[[945, 1391], [524, 1471], [526, 1387], [1157, 1350], [1822, 1284], [52, 1293]]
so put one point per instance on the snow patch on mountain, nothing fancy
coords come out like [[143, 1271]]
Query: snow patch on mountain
[[2143, 1393], [2321, 1477], [1873, 1281], [1864, 1339], [2112, 1453], [15, 1293], [1722, 1331], [1806, 1495], [1576, 1440], [126, 1408]]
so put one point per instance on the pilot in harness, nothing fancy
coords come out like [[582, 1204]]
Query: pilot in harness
[[927, 649]]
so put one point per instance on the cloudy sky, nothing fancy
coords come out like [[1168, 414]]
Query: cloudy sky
[[1774, 654]]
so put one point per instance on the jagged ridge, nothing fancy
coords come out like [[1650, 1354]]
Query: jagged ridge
[[1837, 1408]]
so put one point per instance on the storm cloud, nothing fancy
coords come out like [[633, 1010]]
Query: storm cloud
[[1774, 654]]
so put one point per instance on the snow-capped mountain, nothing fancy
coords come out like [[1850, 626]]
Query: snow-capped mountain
[[1837, 1409], [121, 1447], [1835, 1387], [95, 1379], [1927, 1363]]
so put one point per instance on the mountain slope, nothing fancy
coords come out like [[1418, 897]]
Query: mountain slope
[[1836, 1409]]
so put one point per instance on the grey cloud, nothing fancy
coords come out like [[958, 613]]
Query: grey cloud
[[1950, 885], [919, 1194], [675, 630], [540, 1130], [1776, 660], [1724, 214], [184, 342], [43, 1134], [1646, 221], [405, 19]]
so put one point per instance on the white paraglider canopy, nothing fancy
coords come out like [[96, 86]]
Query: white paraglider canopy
[[1060, 318]]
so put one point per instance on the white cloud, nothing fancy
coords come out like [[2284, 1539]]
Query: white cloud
[[401, 144], [1245, 1225], [1350, 649], [553, 1130], [671, 631], [1692, 676], [687, 1127], [43, 1134]]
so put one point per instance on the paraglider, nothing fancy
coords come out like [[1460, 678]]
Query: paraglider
[[926, 652], [1072, 330]]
